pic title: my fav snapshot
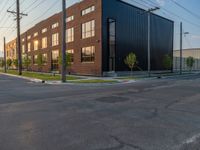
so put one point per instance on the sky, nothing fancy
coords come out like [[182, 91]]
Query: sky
[[38, 10]]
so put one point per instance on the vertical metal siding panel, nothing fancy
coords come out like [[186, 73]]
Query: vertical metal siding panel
[[131, 35]]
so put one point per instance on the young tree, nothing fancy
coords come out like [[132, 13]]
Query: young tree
[[2, 63], [39, 62], [15, 63], [26, 62], [9, 63], [168, 62], [190, 62], [131, 61], [68, 60]]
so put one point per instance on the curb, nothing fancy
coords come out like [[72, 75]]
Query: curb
[[22, 77]]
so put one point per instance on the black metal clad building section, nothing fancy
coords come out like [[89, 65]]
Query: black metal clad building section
[[162, 31], [131, 35]]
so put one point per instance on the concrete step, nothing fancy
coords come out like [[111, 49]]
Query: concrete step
[[110, 74]]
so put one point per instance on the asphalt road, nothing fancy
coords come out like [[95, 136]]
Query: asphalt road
[[147, 115]]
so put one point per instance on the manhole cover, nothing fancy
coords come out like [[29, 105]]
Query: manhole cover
[[112, 99]]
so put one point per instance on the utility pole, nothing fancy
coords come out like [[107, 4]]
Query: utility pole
[[5, 65], [149, 38], [19, 40], [181, 47], [18, 17], [63, 71]]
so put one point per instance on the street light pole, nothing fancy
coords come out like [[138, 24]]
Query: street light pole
[[63, 71], [181, 47], [149, 38], [5, 65], [149, 44]]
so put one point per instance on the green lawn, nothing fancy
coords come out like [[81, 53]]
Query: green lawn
[[95, 81], [41, 76]]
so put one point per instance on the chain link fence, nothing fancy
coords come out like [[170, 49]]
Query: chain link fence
[[195, 53]]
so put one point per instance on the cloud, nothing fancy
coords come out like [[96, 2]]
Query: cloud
[[161, 2]]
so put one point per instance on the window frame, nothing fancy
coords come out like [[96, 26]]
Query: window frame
[[35, 48], [55, 42], [71, 37], [88, 10], [85, 33], [92, 57], [46, 42]]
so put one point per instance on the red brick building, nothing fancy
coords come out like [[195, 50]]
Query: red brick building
[[84, 46], [98, 38]]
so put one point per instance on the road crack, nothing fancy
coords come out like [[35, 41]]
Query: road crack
[[121, 144]]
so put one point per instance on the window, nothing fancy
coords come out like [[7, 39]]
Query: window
[[70, 35], [29, 37], [55, 39], [44, 42], [23, 48], [35, 57], [55, 25], [44, 30], [70, 55], [87, 54], [44, 58], [88, 10], [35, 34], [88, 29], [71, 18], [54, 62], [23, 40], [35, 45], [29, 47]]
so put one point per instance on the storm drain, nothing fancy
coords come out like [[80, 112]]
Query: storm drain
[[112, 99]]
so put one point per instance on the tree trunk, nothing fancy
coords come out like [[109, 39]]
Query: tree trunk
[[131, 72]]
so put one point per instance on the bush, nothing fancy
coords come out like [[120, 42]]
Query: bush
[[9, 63], [26, 62], [39, 62], [2, 63], [15, 63], [190, 62], [168, 62]]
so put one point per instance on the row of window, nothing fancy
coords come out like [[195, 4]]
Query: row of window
[[44, 42], [88, 30], [68, 19], [87, 55], [83, 12], [55, 25]]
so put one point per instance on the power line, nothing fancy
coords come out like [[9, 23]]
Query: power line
[[4, 6], [36, 6], [180, 17], [56, 2], [5, 27], [31, 4], [187, 10]]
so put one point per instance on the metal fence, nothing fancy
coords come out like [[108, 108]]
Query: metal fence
[[176, 64]]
